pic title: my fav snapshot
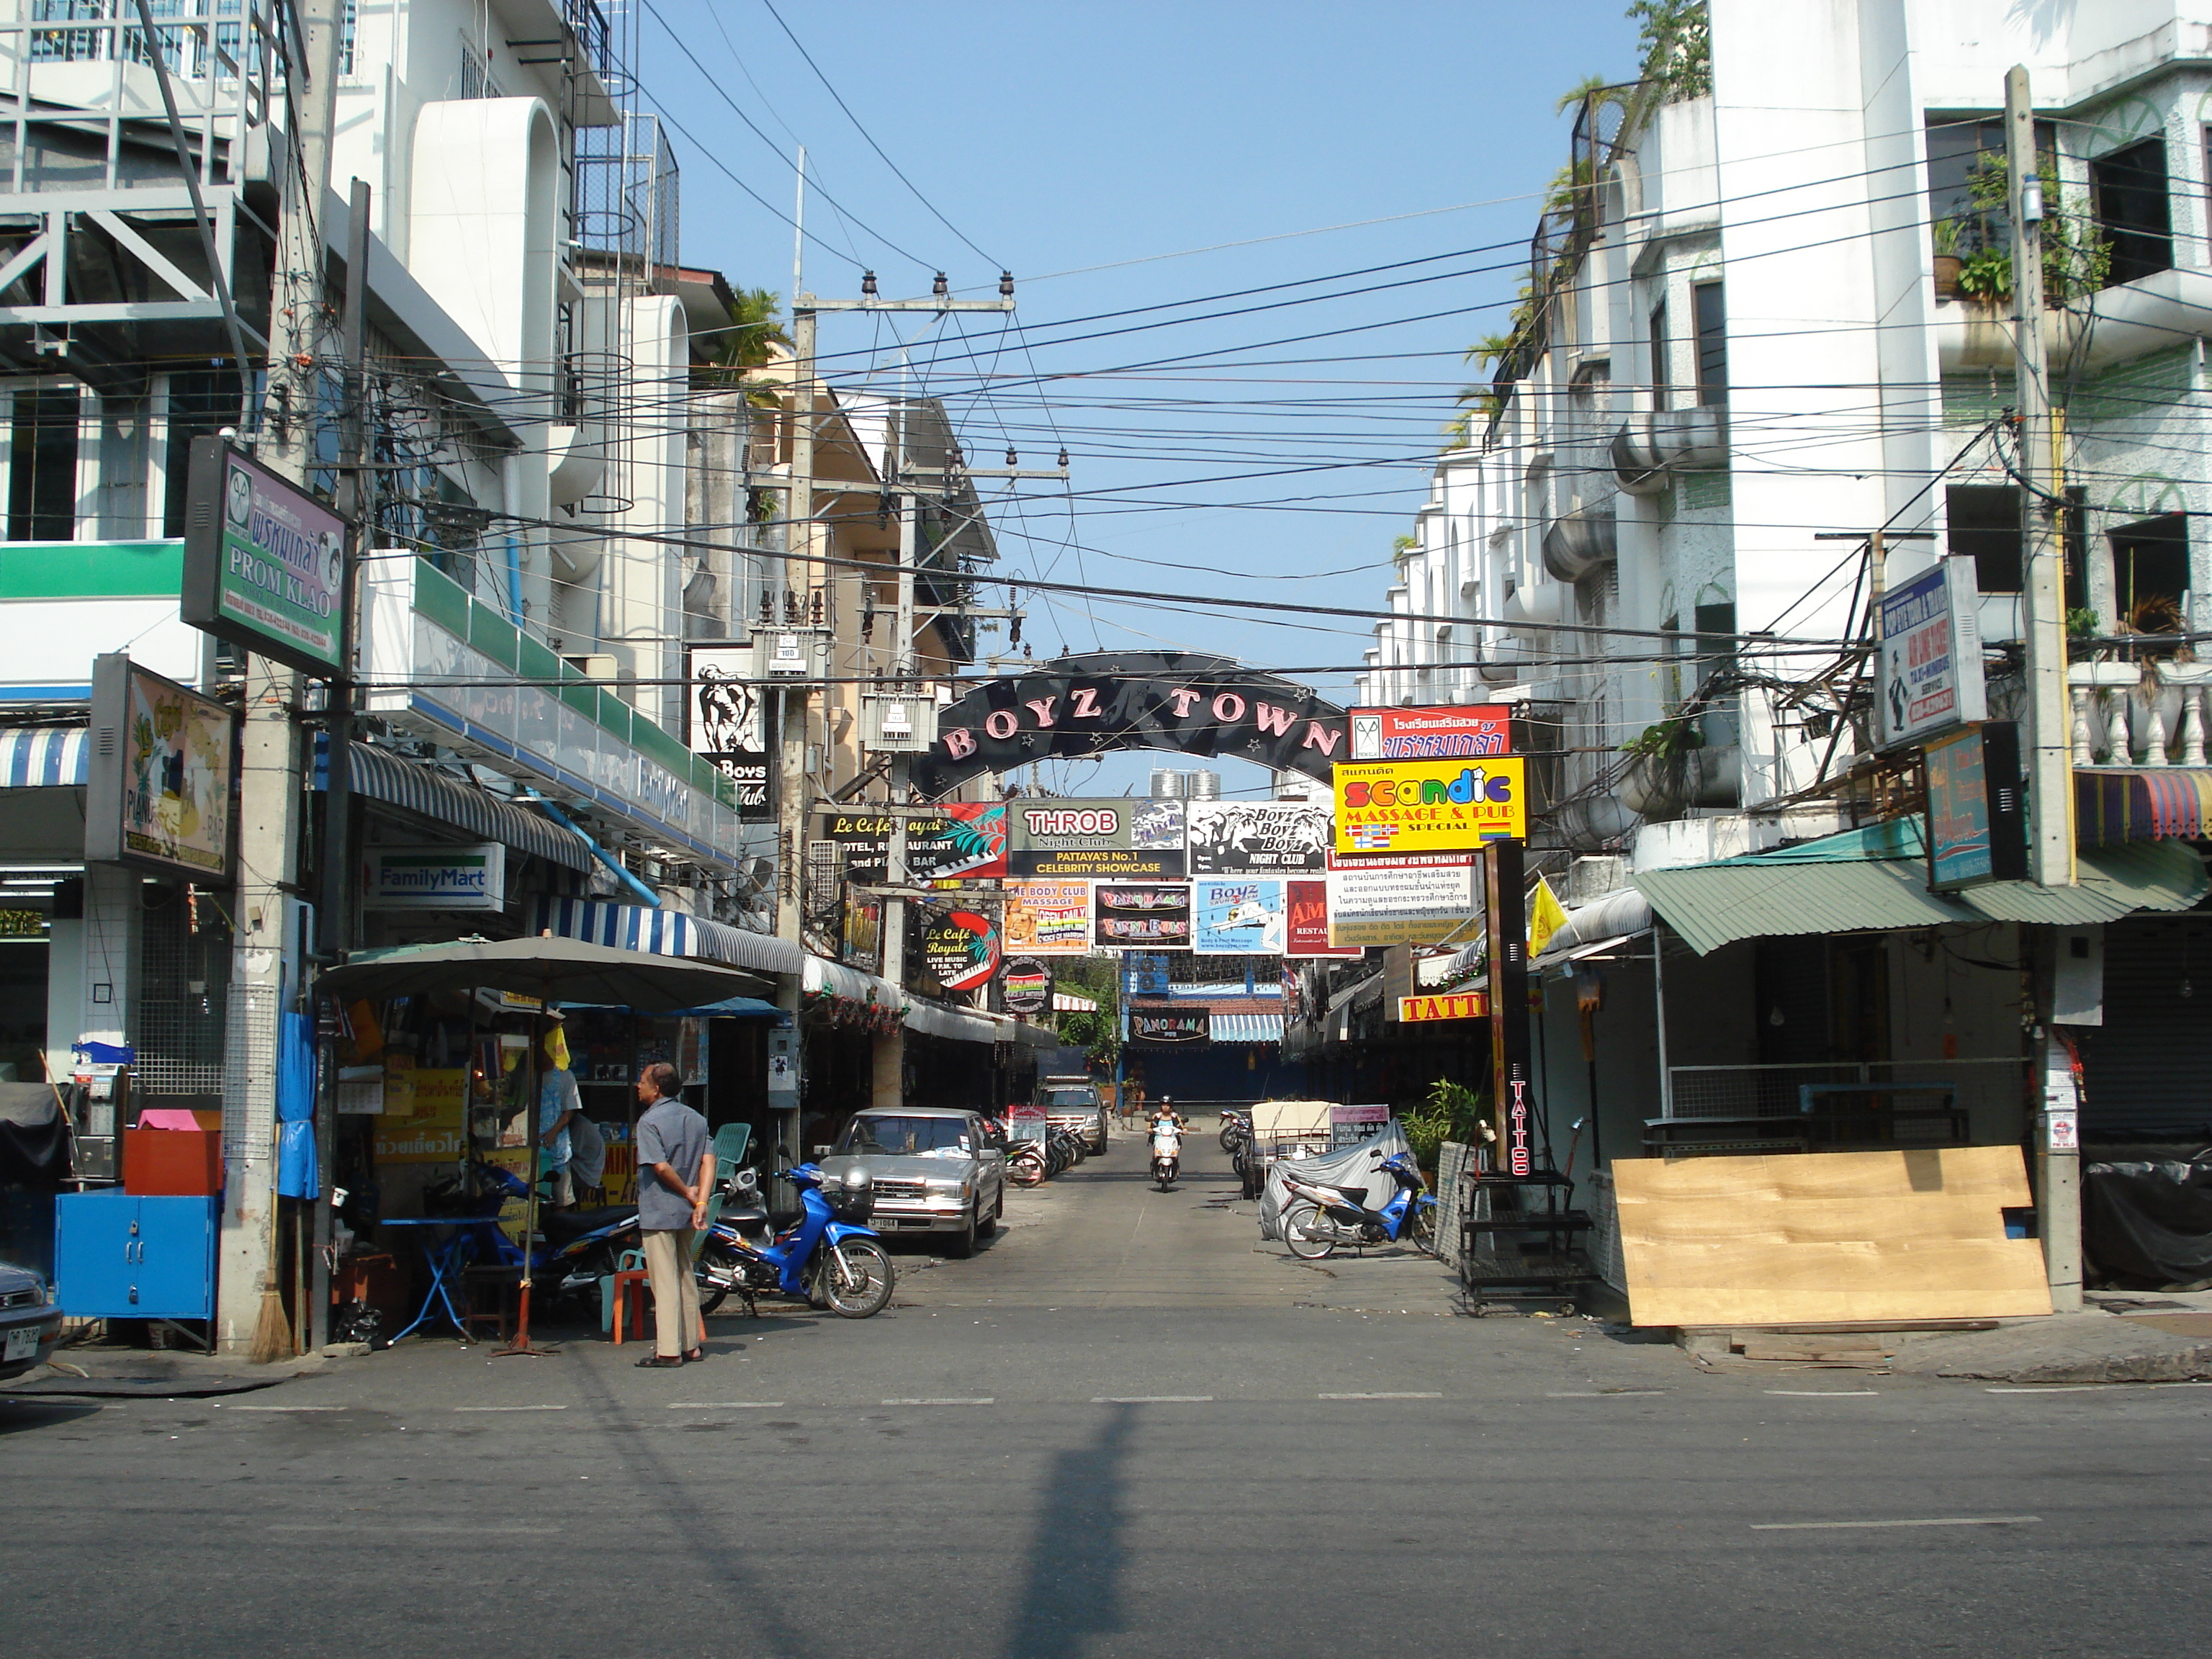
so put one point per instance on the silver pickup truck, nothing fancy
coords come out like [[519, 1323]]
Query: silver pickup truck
[[931, 1169], [1073, 1102]]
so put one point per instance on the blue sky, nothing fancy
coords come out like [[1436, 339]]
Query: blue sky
[[1060, 139]]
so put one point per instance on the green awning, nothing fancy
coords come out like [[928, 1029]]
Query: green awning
[[1875, 879]]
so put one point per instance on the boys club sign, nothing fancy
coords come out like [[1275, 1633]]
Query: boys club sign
[[1075, 706]]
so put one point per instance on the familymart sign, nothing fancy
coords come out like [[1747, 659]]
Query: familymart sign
[[472, 878]]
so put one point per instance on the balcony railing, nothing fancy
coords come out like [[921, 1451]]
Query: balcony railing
[[2125, 716]]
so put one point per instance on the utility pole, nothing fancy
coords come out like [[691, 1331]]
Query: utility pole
[[889, 1060], [266, 962], [2050, 768]]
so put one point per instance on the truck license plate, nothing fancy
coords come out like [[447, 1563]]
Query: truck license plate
[[22, 1343]]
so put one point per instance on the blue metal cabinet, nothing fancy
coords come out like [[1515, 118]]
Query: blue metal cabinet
[[117, 1257]]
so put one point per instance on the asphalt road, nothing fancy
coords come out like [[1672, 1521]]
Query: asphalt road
[[1044, 1452]]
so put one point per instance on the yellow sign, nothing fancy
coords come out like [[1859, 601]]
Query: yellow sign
[[1430, 806], [422, 1119], [1461, 1004], [1546, 915]]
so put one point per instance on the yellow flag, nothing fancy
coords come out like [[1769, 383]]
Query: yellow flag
[[1546, 915]]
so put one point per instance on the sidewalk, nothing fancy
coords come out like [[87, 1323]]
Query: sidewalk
[[159, 1373], [2122, 1337]]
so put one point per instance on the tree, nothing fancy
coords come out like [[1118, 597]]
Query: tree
[[1676, 40], [751, 341]]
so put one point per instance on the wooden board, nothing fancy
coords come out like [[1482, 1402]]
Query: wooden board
[[1828, 1237]]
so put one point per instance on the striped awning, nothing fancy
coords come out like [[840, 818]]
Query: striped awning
[[1246, 1028], [2112, 804], [663, 933], [42, 756], [428, 792]]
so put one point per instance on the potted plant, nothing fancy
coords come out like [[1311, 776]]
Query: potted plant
[[1986, 276], [1945, 234]]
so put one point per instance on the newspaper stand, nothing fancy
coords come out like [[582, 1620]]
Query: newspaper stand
[[1517, 1240]]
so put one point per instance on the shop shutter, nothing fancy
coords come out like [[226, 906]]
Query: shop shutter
[[2147, 1071]]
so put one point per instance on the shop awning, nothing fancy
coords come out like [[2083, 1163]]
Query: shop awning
[[665, 933], [955, 1024], [1875, 879], [1245, 1028], [2116, 805], [428, 792], [853, 984], [727, 1008], [1603, 921], [42, 756]]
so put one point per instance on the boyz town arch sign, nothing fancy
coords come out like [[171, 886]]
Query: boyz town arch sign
[[1074, 707]]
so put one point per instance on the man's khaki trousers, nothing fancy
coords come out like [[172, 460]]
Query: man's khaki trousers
[[675, 1292]]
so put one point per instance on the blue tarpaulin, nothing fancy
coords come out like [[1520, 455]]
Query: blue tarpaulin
[[297, 1176]]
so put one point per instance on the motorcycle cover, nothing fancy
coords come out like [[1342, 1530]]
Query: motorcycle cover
[[1355, 1166]]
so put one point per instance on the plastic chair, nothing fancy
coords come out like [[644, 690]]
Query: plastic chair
[[622, 1295]]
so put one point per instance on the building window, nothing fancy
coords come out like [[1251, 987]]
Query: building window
[[1984, 521], [1710, 313], [201, 403], [42, 466], [2150, 574], [1660, 377], [2127, 188]]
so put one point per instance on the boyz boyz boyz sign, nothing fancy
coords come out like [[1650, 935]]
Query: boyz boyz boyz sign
[[1074, 707]]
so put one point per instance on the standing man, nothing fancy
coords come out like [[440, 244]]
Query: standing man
[[678, 1176], [560, 1107]]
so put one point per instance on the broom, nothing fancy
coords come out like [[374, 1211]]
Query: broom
[[272, 1332]]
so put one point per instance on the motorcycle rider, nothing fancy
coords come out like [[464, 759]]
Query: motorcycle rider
[[1167, 1134]]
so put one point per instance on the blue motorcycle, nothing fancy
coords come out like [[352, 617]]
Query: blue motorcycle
[[577, 1247], [828, 1257], [1316, 1218]]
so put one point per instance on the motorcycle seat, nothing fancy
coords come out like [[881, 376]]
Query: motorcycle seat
[[1349, 1194], [563, 1226]]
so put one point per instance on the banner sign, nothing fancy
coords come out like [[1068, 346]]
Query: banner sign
[[1350, 1125], [422, 1119], [1075, 706], [959, 948], [1258, 838], [1028, 985], [965, 839], [1479, 729], [1238, 917], [1141, 915], [265, 561], [1977, 816], [1170, 1025], [1430, 806], [1026, 1120], [162, 776], [1113, 839], [1305, 931], [1460, 1004], [727, 718], [437, 877], [1423, 898], [1930, 666], [1048, 918]]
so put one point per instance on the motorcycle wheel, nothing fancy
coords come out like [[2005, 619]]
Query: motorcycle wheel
[[868, 1289], [1308, 1234], [725, 1262], [1423, 1229], [1027, 1171]]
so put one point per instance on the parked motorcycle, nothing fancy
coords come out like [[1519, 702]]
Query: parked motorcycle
[[1027, 1164], [1316, 1219], [828, 1254], [579, 1248], [1236, 1131]]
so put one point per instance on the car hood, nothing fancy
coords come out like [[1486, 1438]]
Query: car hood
[[880, 1164], [13, 1278]]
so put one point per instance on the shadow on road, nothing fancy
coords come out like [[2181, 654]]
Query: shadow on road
[[1080, 1552]]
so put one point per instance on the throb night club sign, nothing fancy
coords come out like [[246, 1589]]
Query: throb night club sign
[[1074, 707]]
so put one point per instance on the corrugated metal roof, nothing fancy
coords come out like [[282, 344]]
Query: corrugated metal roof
[[1854, 884]]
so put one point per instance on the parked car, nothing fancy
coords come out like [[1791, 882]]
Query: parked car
[[932, 1170], [30, 1324], [1073, 1102]]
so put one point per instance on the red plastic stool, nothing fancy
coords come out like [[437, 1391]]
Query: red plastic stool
[[621, 1302]]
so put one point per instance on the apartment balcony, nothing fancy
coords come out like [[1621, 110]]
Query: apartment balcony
[[1651, 447], [1579, 541], [2114, 325], [2124, 718]]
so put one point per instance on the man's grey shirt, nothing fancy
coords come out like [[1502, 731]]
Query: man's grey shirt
[[670, 1132]]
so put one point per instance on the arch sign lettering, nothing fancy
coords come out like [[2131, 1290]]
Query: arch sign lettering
[[1072, 708]]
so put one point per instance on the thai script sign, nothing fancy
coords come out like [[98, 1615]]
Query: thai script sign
[[1305, 930], [1479, 729], [1421, 898], [265, 561], [1430, 806]]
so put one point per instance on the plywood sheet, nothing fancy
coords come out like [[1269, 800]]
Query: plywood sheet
[[1828, 1237]]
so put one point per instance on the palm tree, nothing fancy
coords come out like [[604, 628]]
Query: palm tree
[[754, 331]]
